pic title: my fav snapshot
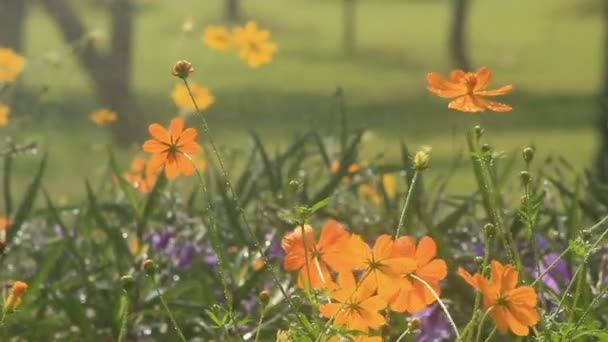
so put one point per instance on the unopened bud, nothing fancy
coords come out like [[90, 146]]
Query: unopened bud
[[182, 69], [264, 296], [149, 266], [489, 229], [478, 131], [422, 158], [127, 282], [586, 234], [485, 148], [479, 261], [525, 178], [294, 185], [528, 154]]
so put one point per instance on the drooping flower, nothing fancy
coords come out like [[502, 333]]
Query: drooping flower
[[356, 307], [255, 46], [5, 111], [218, 37], [183, 101], [417, 295], [142, 176], [314, 259], [171, 149], [468, 89], [104, 117], [11, 65], [383, 269], [512, 307], [14, 299]]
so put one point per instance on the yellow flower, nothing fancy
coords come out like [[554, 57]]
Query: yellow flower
[[370, 191], [104, 117], [254, 44], [5, 111], [201, 94], [11, 65], [218, 37]]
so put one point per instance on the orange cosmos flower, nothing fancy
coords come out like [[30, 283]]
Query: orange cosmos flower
[[5, 222], [417, 296], [218, 37], [512, 307], [172, 149], [14, 299], [469, 90], [5, 111], [371, 192], [358, 339], [183, 101], [11, 65], [356, 308], [254, 44], [104, 117], [142, 176], [314, 262], [383, 267]]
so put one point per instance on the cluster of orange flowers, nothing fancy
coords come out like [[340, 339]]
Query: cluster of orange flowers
[[363, 281], [254, 44], [11, 66]]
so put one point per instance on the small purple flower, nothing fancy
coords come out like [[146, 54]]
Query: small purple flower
[[210, 258], [161, 240], [434, 326], [185, 255]]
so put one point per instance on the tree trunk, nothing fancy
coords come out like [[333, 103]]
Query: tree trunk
[[232, 10], [602, 125], [111, 71], [12, 23], [458, 53], [349, 19]]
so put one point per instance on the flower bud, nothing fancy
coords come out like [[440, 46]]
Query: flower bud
[[182, 69], [264, 296], [489, 229], [422, 158], [586, 234], [14, 299], [478, 131], [528, 154], [486, 148], [149, 266], [479, 261], [525, 178]]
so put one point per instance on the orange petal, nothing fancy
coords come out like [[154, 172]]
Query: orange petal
[[470, 279], [373, 304], [498, 270], [457, 75], [171, 168], [404, 246], [332, 233], [190, 147], [496, 92], [509, 278], [524, 295], [153, 146], [293, 245], [186, 166], [159, 133], [188, 135], [439, 86], [330, 310], [399, 266], [484, 77], [499, 314], [527, 316], [517, 327], [361, 252], [433, 271], [383, 247], [177, 127], [494, 106], [466, 104], [426, 251], [373, 319]]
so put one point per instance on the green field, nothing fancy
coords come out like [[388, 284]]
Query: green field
[[549, 49]]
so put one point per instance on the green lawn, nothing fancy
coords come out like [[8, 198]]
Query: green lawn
[[548, 49]]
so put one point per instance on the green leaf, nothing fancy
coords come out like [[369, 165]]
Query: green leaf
[[151, 203], [320, 205], [124, 185], [27, 203]]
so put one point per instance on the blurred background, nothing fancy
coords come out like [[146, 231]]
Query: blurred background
[[369, 56]]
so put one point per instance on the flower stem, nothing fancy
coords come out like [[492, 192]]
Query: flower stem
[[406, 203], [483, 320], [167, 310], [440, 302], [260, 321], [124, 318], [256, 243]]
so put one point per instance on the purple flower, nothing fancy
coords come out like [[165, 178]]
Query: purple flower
[[210, 258], [185, 254], [556, 277], [434, 326], [162, 239]]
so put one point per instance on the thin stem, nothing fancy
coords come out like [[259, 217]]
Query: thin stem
[[124, 318], [259, 328], [440, 302], [167, 310], [483, 320], [235, 198], [406, 203], [551, 266], [405, 333], [593, 302]]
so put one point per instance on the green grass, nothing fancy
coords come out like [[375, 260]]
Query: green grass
[[549, 51]]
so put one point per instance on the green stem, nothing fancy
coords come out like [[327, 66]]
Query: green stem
[[406, 204], [256, 243], [167, 310], [259, 328], [483, 320], [405, 333], [591, 305], [124, 318]]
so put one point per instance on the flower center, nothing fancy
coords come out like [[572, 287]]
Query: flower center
[[470, 81], [502, 301]]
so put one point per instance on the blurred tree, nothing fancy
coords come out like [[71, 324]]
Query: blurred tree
[[110, 70], [458, 52], [232, 10], [349, 21], [602, 155], [12, 23]]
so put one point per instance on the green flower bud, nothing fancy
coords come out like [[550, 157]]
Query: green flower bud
[[528, 154]]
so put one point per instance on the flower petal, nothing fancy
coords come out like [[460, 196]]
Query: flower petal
[[484, 77], [517, 327], [439, 86], [159, 133], [435, 270], [383, 247], [177, 127], [426, 251], [466, 104], [154, 146], [496, 92], [499, 314]]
